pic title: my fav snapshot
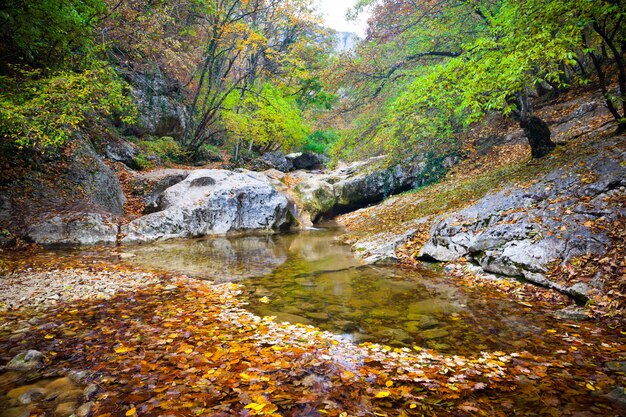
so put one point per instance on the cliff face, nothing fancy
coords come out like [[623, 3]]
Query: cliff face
[[345, 41]]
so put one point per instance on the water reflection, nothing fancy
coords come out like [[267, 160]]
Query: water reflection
[[220, 259], [310, 278]]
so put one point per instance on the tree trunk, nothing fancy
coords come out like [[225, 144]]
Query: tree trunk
[[538, 134]]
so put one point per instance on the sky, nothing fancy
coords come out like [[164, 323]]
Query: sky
[[334, 12]]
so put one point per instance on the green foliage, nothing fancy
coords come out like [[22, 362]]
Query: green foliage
[[269, 118], [40, 110], [142, 162], [46, 31], [320, 141], [165, 148], [432, 68]]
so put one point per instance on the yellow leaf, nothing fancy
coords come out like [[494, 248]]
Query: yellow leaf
[[590, 387], [413, 405], [382, 394], [124, 349], [255, 406], [49, 336], [388, 384], [131, 412], [550, 331], [264, 300]]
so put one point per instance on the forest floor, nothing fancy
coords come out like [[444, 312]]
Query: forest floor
[[156, 344]]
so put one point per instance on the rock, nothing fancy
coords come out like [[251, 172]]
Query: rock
[[212, 202], [31, 395], [84, 410], [502, 234], [73, 395], [580, 291], [65, 409], [93, 179], [276, 160], [419, 322], [90, 391], [60, 385], [151, 186], [618, 397], [572, 312], [434, 333], [306, 160], [16, 412], [291, 318], [359, 184], [318, 315], [26, 361], [380, 249], [122, 151], [159, 109], [24, 389], [394, 335], [317, 197], [75, 229], [77, 377]]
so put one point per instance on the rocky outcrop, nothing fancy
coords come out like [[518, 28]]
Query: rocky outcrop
[[359, 184], [519, 231], [74, 229], [69, 198], [209, 202], [159, 109], [122, 151]]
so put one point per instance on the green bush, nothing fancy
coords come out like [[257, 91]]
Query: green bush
[[165, 148], [320, 141], [40, 110]]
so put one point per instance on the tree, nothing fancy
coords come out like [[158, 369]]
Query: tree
[[456, 61]]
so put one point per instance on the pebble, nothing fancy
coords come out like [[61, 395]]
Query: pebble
[[84, 410], [41, 289], [16, 412], [65, 409], [90, 391], [434, 333], [16, 392]]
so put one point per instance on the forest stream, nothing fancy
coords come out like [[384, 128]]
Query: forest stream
[[310, 278]]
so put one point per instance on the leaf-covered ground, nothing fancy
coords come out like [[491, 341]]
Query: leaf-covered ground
[[184, 347]]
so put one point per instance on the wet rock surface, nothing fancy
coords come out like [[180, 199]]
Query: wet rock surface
[[35, 395]]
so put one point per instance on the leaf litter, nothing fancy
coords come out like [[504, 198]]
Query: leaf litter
[[186, 347]]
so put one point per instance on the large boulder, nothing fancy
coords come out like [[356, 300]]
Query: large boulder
[[213, 202], [275, 160], [520, 231], [307, 160], [122, 151]]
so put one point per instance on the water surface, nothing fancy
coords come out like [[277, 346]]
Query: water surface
[[311, 278]]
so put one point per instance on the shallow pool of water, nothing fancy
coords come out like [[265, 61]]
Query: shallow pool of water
[[311, 278]]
